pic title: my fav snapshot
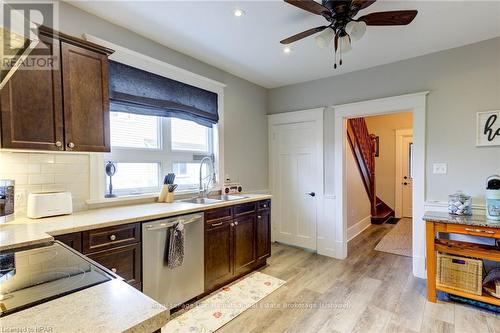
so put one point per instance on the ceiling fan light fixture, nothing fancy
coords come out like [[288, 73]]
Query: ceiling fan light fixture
[[238, 12], [356, 30], [345, 44], [325, 38], [287, 50]]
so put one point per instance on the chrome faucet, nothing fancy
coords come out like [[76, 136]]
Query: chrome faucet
[[211, 178]]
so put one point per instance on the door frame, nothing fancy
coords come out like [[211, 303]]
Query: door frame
[[398, 193], [311, 115], [415, 103]]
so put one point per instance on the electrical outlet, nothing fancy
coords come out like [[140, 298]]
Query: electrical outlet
[[440, 168], [19, 198]]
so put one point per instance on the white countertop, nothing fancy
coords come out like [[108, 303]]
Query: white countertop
[[25, 231], [112, 306]]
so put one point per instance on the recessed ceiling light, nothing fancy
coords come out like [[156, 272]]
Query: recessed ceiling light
[[287, 50], [238, 12]]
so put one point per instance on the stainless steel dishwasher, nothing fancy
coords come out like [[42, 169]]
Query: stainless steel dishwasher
[[172, 287]]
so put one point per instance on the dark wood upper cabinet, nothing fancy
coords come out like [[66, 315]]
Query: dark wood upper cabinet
[[66, 108], [31, 107], [86, 100], [244, 244]]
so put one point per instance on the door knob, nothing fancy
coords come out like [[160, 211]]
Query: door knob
[[405, 177], [312, 194], [405, 183]]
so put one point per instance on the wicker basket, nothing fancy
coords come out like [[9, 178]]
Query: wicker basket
[[460, 273]]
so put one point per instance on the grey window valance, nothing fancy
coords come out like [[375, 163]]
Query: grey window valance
[[133, 90]]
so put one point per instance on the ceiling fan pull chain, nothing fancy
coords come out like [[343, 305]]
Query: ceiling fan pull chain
[[340, 53]]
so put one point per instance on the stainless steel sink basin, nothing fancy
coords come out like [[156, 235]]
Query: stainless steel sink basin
[[201, 201], [226, 197], [212, 200]]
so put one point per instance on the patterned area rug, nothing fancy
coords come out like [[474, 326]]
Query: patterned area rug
[[398, 240], [228, 303]]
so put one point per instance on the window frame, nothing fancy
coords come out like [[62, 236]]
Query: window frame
[[165, 156]]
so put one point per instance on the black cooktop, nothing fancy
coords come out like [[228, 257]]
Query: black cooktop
[[37, 274]]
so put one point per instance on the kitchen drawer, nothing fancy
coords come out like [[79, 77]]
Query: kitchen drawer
[[474, 231], [263, 205], [243, 209], [106, 238], [73, 240], [216, 215], [124, 261]]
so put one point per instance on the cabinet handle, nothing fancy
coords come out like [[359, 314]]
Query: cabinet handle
[[480, 230], [264, 206], [71, 145], [113, 270], [112, 237], [259, 217], [217, 224], [235, 223], [232, 224], [58, 144]]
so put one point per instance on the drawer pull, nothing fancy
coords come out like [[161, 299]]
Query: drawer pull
[[259, 217], [217, 224], [113, 270], [490, 232], [264, 206], [112, 237]]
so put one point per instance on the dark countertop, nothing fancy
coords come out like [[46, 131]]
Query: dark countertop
[[472, 220]]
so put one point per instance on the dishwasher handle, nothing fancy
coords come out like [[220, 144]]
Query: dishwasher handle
[[166, 225]]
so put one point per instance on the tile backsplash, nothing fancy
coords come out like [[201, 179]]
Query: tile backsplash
[[45, 172]]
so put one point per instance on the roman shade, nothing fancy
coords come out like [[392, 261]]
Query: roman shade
[[133, 90]]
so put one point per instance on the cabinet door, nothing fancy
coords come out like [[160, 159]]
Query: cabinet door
[[86, 99], [124, 261], [244, 244], [73, 240], [263, 235], [218, 254], [31, 106]]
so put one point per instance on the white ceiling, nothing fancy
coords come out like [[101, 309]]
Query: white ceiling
[[249, 46]]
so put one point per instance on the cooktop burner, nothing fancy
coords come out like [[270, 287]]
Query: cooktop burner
[[30, 276]]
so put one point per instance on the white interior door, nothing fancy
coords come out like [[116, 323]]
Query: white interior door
[[404, 173], [296, 156]]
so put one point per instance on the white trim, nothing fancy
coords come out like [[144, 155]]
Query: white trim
[[144, 62], [316, 115], [415, 103], [359, 227], [398, 195]]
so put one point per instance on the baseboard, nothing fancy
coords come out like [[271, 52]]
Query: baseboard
[[358, 228]]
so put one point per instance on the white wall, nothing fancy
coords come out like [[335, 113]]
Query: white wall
[[385, 128], [461, 81]]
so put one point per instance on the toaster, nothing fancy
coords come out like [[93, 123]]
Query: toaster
[[44, 204]]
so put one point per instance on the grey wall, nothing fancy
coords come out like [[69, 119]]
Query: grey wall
[[461, 81], [245, 120]]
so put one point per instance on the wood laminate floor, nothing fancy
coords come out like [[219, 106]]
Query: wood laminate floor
[[370, 291]]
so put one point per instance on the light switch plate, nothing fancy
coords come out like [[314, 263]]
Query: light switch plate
[[440, 168]]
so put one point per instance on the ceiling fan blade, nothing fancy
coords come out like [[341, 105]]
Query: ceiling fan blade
[[397, 17], [361, 4], [309, 5], [303, 34]]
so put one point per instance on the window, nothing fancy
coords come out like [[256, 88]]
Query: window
[[146, 148]]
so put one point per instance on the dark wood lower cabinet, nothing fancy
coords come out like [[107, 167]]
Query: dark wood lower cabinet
[[244, 244], [263, 234], [73, 240], [236, 242], [124, 261], [218, 254]]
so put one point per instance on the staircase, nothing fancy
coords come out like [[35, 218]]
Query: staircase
[[363, 146]]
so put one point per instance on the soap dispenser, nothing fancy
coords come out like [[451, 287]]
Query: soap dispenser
[[493, 198]]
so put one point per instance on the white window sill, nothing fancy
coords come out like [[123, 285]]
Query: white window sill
[[137, 198]]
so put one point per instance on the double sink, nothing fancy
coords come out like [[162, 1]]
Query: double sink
[[212, 200]]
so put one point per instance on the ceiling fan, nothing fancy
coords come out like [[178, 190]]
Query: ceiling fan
[[342, 27]]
